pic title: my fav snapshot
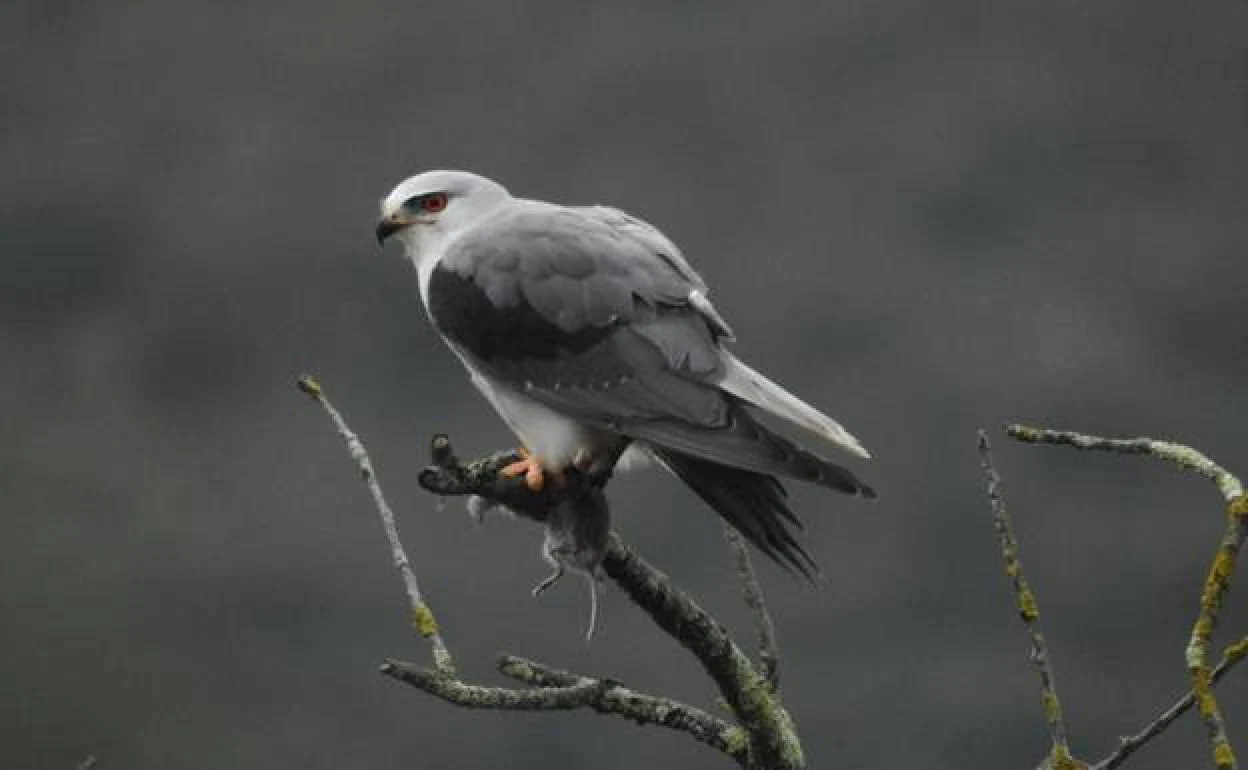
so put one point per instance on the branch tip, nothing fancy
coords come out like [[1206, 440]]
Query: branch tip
[[443, 453], [308, 385], [1028, 608]]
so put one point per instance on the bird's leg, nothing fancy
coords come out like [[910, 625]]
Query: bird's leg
[[549, 581], [584, 461], [598, 466]]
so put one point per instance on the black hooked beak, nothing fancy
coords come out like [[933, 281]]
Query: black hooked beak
[[386, 227]]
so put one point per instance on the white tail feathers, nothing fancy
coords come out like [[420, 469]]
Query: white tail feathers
[[752, 387]]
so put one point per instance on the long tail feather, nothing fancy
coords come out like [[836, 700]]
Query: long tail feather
[[754, 388], [754, 503]]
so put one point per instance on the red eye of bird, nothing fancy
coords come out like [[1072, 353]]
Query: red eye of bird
[[433, 202]]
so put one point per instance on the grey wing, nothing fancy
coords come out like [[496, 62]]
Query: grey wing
[[588, 312], [662, 247], [586, 300]]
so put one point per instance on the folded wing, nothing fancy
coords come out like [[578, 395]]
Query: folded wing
[[598, 316]]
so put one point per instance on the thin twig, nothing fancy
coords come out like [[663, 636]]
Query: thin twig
[[752, 593], [1130, 744], [1218, 580], [422, 616], [1028, 610]]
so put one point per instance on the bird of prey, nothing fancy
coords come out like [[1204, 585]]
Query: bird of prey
[[589, 333]]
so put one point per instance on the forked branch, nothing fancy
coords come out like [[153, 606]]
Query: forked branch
[[763, 736], [1213, 594]]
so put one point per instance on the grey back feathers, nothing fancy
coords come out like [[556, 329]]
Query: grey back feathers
[[576, 267]]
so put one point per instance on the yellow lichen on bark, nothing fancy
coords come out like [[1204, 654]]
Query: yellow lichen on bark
[[1237, 651], [1224, 755], [424, 622], [1219, 577], [1202, 689], [1060, 759], [1028, 608], [309, 385], [1052, 707]]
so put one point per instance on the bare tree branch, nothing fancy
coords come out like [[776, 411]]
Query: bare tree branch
[[772, 736], [766, 737], [1183, 456], [1218, 581], [422, 616], [1129, 744], [579, 694], [639, 707], [1029, 610], [752, 594]]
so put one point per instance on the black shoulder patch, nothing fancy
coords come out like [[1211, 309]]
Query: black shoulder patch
[[463, 312]]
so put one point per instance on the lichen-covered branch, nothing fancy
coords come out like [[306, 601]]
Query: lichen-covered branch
[[453, 690], [422, 616], [1129, 744], [766, 737], [752, 594], [481, 477], [556, 690], [639, 707], [441, 680], [1059, 757], [1217, 582], [772, 738], [1183, 456]]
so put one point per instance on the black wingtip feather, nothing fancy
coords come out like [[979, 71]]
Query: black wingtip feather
[[754, 503]]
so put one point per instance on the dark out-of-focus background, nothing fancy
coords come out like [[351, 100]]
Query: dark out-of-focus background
[[923, 216]]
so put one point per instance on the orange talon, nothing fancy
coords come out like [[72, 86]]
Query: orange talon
[[534, 478], [531, 466]]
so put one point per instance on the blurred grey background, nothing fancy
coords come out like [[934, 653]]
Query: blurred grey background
[[925, 217]]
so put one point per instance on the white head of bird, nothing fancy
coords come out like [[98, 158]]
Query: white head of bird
[[425, 208]]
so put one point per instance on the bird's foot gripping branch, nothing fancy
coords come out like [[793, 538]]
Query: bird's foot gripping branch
[[573, 511], [760, 733]]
